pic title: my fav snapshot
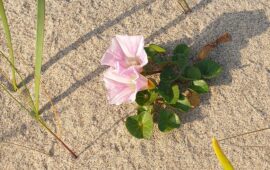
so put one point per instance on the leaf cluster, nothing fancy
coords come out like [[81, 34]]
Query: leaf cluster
[[182, 81]]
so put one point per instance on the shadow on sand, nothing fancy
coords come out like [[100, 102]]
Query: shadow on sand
[[241, 25], [101, 29]]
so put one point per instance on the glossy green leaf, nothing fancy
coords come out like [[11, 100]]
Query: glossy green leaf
[[180, 60], [180, 57], [209, 69], [141, 125], [182, 49], [150, 52], [192, 73], [153, 52], [146, 97], [182, 104], [170, 93], [157, 48], [169, 74], [168, 120], [199, 86]]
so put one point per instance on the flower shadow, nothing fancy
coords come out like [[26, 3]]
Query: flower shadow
[[242, 26]]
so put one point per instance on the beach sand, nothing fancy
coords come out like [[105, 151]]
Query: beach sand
[[78, 32]]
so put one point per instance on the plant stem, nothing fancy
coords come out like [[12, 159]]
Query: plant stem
[[39, 48], [38, 119], [46, 127], [9, 42]]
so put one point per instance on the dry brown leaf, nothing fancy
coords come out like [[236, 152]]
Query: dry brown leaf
[[204, 52], [226, 37], [193, 97], [151, 83]]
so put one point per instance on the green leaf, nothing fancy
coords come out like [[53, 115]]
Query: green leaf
[[182, 104], [147, 108], [199, 86], [153, 52], [146, 97], [157, 48], [182, 49], [180, 60], [192, 73], [155, 56], [168, 120], [9, 43], [209, 69], [170, 93], [150, 52], [141, 125], [169, 74], [39, 48]]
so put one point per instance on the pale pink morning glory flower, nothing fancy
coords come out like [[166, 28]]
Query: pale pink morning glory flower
[[123, 84], [126, 51]]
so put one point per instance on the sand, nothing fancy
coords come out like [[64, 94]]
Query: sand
[[77, 34]]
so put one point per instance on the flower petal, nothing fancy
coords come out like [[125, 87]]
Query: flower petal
[[123, 84], [113, 55]]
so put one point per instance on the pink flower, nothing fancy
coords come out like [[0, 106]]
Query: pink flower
[[126, 51], [123, 84]]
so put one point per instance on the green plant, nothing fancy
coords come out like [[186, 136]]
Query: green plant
[[9, 42], [33, 108], [39, 48], [181, 82]]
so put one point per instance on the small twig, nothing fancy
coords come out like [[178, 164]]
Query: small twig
[[54, 110], [185, 6], [244, 134]]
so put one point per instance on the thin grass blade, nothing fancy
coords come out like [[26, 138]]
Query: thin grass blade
[[24, 85], [39, 120], [9, 42], [39, 48], [14, 98]]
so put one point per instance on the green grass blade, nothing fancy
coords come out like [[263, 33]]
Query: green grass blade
[[39, 48], [9, 42], [24, 85]]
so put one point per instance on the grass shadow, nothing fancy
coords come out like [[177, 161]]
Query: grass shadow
[[100, 69], [73, 46]]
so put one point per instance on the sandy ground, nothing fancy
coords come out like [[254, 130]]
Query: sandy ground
[[78, 33]]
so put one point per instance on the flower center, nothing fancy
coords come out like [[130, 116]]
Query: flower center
[[131, 61]]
